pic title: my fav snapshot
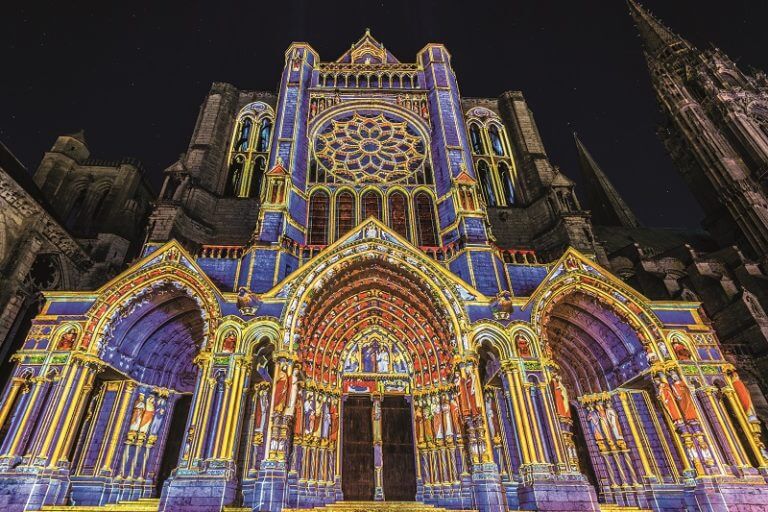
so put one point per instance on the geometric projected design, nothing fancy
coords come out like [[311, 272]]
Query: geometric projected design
[[370, 148]]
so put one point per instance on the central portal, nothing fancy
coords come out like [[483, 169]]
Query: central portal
[[398, 467]]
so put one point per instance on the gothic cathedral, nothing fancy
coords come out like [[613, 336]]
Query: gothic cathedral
[[326, 310]]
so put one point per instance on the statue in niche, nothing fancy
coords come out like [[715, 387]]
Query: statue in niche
[[742, 393], [157, 421], [309, 412], [593, 419], [326, 420], [282, 388], [663, 350], [260, 416], [613, 421], [229, 342], [148, 415], [684, 398], [523, 346], [455, 414], [418, 418], [368, 355], [67, 340], [493, 427], [668, 399], [560, 395], [317, 420], [188, 442], [437, 417], [445, 411], [334, 412], [382, 361], [138, 412], [681, 351]]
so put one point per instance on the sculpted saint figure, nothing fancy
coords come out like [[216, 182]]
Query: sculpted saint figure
[[681, 351], [742, 393], [148, 415], [684, 398], [138, 413], [67, 340], [523, 347], [560, 395], [281, 388], [229, 342], [668, 400]]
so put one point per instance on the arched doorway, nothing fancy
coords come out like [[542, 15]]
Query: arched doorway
[[601, 394], [134, 425], [376, 353]]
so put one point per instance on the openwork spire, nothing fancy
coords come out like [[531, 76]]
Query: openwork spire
[[606, 203], [654, 34]]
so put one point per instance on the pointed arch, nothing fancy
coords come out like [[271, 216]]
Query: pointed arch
[[318, 217], [426, 224]]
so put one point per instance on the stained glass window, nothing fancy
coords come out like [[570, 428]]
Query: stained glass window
[[345, 212], [496, 144], [506, 179], [398, 213], [425, 219], [484, 175], [370, 148], [371, 205], [478, 147], [318, 218], [264, 132], [258, 172], [243, 138]]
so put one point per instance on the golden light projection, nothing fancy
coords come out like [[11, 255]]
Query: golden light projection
[[364, 148]]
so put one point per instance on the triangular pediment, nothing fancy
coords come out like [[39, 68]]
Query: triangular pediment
[[367, 50], [155, 255], [374, 230], [574, 261]]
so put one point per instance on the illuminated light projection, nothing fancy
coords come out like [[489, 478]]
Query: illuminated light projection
[[372, 343]]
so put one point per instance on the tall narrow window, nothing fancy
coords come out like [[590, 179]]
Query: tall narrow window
[[243, 137], [265, 130], [371, 205], [345, 212], [77, 208], [398, 214], [478, 147], [506, 180], [496, 144], [235, 175], [484, 175], [318, 218], [425, 219], [258, 173]]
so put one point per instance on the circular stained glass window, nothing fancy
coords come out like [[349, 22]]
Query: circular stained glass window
[[370, 148]]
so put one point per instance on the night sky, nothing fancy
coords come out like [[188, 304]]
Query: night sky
[[134, 76]]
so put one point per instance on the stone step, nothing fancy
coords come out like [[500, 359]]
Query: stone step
[[374, 506], [607, 507], [141, 505]]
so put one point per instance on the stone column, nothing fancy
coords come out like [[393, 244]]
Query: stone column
[[378, 456]]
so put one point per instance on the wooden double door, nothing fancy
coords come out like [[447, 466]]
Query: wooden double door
[[398, 459]]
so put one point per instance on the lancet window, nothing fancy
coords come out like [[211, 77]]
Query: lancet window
[[317, 222], [492, 157], [345, 212], [398, 214], [249, 152], [425, 219]]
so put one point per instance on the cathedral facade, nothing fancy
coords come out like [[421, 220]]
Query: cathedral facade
[[324, 311]]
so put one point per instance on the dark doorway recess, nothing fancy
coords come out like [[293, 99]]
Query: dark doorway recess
[[176, 436], [357, 450], [397, 445]]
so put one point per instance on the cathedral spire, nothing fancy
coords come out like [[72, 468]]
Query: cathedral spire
[[654, 34], [607, 206]]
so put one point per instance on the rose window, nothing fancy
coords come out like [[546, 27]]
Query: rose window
[[374, 148]]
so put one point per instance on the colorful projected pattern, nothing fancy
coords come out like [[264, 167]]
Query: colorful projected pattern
[[370, 148]]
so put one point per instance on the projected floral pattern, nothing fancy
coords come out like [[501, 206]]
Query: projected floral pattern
[[364, 148]]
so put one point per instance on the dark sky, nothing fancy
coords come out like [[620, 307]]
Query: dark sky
[[133, 76]]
